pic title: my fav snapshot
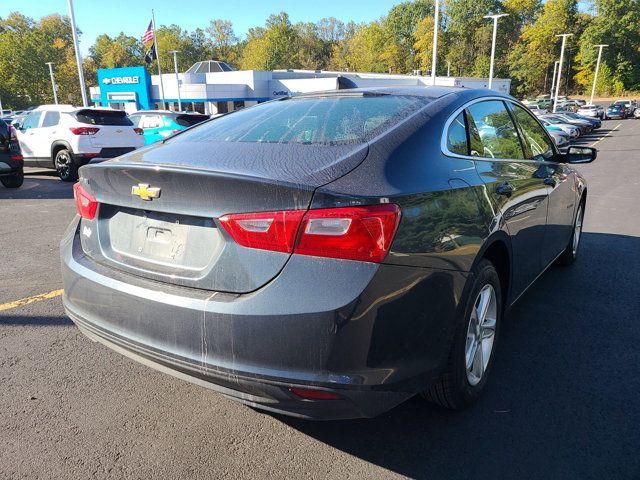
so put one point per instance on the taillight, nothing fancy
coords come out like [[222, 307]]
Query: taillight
[[86, 204], [274, 231], [139, 131], [84, 130], [353, 233], [17, 157]]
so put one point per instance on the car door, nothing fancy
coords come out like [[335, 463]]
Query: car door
[[513, 185], [559, 180], [47, 133], [28, 137]]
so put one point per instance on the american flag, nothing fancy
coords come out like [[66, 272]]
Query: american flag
[[148, 34]]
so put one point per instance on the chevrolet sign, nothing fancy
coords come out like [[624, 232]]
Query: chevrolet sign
[[133, 80]]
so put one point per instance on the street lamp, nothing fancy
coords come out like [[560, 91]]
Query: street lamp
[[493, 43], [564, 42], [595, 77], [553, 80], [53, 82], [434, 55], [175, 66], [76, 47]]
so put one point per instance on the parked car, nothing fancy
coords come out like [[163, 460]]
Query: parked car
[[560, 138], [11, 163], [545, 101], [619, 109], [160, 124], [595, 122], [559, 117], [572, 130], [302, 257], [64, 138], [568, 106], [636, 113], [594, 111], [537, 110]]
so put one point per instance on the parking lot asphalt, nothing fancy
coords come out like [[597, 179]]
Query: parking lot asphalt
[[563, 400]]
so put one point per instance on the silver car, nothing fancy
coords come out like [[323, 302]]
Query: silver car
[[590, 110]]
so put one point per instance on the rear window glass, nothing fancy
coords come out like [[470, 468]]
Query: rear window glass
[[103, 117], [330, 120], [189, 120]]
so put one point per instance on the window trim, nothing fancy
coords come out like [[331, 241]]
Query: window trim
[[454, 115], [522, 138]]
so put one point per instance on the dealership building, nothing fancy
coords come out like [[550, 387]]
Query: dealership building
[[214, 87]]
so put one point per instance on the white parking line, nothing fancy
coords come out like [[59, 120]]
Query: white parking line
[[608, 133]]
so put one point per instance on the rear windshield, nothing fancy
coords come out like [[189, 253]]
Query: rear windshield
[[190, 120], [103, 117], [330, 120]]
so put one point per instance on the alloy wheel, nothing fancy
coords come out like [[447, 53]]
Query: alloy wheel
[[63, 164], [481, 334], [577, 230]]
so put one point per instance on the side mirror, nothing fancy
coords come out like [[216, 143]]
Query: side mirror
[[581, 154]]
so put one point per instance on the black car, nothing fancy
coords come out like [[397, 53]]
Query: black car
[[326, 255], [11, 163]]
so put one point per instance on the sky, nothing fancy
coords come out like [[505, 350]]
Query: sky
[[95, 17]]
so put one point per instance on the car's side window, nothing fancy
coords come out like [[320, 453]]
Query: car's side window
[[498, 135], [32, 120], [537, 142], [135, 119], [51, 119], [457, 136]]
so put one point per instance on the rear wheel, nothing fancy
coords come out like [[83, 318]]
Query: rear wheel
[[570, 253], [471, 356], [66, 166], [15, 180]]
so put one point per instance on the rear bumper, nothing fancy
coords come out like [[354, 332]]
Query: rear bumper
[[373, 334], [9, 167]]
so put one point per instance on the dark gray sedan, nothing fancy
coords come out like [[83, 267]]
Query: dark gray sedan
[[328, 255]]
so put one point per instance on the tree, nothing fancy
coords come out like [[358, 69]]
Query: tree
[[121, 51], [172, 37], [538, 48], [223, 41], [401, 23], [274, 47]]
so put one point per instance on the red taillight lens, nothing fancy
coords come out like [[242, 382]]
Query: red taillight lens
[[353, 233], [311, 394], [84, 130], [17, 157], [139, 131], [86, 204], [274, 231]]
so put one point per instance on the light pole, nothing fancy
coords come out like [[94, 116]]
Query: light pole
[[595, 77], [175, 66], [553, 80], [53, 82], [434, 54], [76, 47], [493, 43], [564, 42]]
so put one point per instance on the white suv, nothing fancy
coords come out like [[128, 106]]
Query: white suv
[[64, 137]]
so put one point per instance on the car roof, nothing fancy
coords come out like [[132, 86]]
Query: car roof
[[431, 92]]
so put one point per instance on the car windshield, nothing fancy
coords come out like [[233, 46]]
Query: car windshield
[[326, 120]]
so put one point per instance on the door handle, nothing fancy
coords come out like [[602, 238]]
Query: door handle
[[505, 189], [550, 181]]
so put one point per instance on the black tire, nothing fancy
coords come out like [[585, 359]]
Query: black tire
[[570, 253], [15, 180], [66, 165], [454, 390]]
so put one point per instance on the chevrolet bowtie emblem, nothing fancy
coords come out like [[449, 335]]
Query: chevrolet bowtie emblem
[[145, 192]]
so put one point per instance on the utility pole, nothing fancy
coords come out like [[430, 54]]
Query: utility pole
[[449, 68], [53, 82], [553, 79], [493, 43], [155, 43], [434, 55], [564, 42], [76, 47], [595, 77], [175, 66]]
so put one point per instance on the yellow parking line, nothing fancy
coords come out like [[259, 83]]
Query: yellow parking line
[[28, 300], [608, 133]]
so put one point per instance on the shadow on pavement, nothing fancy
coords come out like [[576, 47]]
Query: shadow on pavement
[[36, 320], [39, 185], [558, 403]]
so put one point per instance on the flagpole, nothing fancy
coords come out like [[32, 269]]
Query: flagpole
[[155, 43]]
